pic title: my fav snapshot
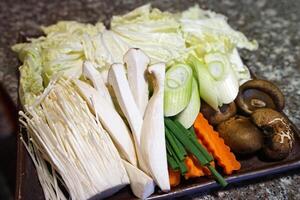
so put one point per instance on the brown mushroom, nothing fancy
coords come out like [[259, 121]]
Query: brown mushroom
[[241, 135], [216, 117], [280, 136], [255, 94]]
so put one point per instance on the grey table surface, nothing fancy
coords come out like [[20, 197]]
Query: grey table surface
[[274, 24]]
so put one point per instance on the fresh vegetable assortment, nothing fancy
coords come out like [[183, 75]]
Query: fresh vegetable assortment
[[140, 103]]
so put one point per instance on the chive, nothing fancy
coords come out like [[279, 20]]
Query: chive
[[217, 176], [192, 131], [172, 163], [179, 163], [193, 138], [189, 145], [174, 146], [192, 148], [169, 150], [179, 144]]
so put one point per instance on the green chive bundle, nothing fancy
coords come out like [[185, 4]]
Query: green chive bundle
[[179, 142]]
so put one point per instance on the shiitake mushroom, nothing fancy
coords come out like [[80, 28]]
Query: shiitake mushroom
[[256, 94], [241, 135], [279, 134], [216, 117]]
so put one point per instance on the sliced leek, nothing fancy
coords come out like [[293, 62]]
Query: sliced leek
[[178, 88], [189, 114], [206, 83], [226, 82]]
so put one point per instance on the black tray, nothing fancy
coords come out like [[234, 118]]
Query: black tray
[[29, 188]]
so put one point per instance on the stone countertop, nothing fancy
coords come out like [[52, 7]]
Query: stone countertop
[[274, 24]]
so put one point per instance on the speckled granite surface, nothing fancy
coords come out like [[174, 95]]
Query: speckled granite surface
[[274, 24]]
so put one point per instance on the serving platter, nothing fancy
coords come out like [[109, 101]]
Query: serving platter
[[253, 167]]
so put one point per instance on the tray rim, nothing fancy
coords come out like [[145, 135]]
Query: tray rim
[[236, 178]]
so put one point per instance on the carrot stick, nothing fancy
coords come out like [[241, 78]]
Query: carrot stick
[[215, 145], [174, 177]]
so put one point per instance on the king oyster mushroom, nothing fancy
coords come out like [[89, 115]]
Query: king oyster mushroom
[[255, 94], [241, 135], [280, 136], [216, 117]]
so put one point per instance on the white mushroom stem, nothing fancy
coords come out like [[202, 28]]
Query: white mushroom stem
[[111, 121], [153, 131], [90, 72], [141, 184], [117, 79], [136, 62]]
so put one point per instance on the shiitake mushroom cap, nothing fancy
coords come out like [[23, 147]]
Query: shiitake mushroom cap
[[216, 117], [241, 135], [256, 94], [277, 129]]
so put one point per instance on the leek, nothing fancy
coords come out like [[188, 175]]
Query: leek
[[188, 116], [206, 83], [226, 82], [178, 88], [217, 81]]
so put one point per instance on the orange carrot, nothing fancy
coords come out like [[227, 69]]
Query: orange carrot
[[193, 168], [215, 145], [174, 177]]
